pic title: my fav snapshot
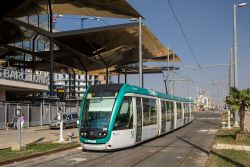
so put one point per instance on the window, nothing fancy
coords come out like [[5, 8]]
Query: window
[[75, 116], [170, 108], [186, 109], [179, 110], [164, 111], [124, 119], [149, 111]]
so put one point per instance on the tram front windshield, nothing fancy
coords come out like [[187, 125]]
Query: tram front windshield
[[98, 110]]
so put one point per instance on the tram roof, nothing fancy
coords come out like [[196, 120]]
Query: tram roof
[[126, 88], [102, 8]]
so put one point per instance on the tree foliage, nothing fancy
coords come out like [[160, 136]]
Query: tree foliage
[[239, 100]]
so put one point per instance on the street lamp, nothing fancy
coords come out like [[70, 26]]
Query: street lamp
[[235, 45], [235, 55]]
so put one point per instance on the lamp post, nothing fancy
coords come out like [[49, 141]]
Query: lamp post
[[236, 55], [235, 45]]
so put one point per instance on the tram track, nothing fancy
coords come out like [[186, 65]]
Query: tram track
[[98, 158], [141, 160], [51, 160], [72, 155], [160, 149], [197, 146], [192, 150]]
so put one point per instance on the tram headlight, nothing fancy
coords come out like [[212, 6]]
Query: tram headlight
[[83, 134], [100, 134]]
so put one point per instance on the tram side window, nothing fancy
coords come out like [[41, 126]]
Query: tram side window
[[164, 111], [184, 108], [187, 109], [170, 106], [124, 119], [179, 111], [149, 111]]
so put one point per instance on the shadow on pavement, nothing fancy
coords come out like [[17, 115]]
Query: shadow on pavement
[[227, 159], [195, 146], [214, 153], [38, 140]]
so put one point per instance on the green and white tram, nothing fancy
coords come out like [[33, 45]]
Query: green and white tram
[[116, 116]]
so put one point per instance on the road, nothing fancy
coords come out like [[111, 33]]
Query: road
[[188, 146]]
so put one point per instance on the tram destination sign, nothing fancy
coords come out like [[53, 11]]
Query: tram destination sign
[[23, 76]]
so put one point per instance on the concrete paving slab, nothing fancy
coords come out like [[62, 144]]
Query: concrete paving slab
[[246, 148]]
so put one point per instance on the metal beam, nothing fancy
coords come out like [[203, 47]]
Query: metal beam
[[30, 27], [75, 52]]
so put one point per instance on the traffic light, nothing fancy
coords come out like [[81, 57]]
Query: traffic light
[[60, 93]]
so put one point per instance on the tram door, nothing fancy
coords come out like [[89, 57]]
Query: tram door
[[139, 119]]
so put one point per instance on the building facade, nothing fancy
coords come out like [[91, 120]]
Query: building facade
[[75, 85]]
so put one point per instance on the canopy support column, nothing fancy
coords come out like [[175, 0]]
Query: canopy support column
[[51, 48], [107, 75], [125, 75], [118, 77], [86, 79]]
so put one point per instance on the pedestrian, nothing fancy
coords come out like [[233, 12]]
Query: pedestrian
[[22, 120]]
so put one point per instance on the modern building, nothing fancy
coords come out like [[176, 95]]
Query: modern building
[[202, 101], [75, 85], [16, 84]]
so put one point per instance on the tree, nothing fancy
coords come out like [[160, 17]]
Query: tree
[[239, 99]]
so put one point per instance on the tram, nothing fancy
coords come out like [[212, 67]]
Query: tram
[[116, 116]]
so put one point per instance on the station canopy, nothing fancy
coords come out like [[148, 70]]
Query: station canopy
[[38, 13], [89, 49], [101, 47], [101, 8]]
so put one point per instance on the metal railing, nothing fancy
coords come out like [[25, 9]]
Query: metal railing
[[34, 114]]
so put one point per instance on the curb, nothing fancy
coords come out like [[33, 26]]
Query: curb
[[37, 155]]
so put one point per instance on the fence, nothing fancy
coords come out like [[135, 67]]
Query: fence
[[34, 114]]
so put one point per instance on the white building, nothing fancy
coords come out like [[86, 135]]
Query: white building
[[75, 86]]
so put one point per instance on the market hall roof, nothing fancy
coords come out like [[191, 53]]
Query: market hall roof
[[102, 8], [97, 48]]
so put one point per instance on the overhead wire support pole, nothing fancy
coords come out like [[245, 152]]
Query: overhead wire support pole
[[174, 74], [231, 68], [189, 80], [140, 54], [168, 73]]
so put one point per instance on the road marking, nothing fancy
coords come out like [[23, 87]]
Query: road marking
[[207, 118], [78, 159]]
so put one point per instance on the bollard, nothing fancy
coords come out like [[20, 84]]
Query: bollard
[[228, 119]]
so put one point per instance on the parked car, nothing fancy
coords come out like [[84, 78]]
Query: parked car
[[69, 120]]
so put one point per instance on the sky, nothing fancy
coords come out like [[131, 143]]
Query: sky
[[208, 26]]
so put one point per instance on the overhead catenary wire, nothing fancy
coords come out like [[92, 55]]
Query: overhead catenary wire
[[183, 33]]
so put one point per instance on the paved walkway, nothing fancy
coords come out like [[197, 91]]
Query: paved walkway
[[231, 147], [31, 135]]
